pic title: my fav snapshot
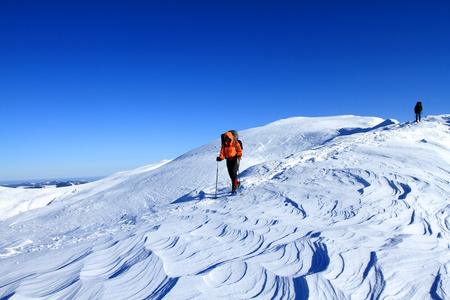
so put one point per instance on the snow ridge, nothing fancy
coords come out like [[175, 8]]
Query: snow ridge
[[339, 207]]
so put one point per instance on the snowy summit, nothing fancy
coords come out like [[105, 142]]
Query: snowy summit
[[339, 207]]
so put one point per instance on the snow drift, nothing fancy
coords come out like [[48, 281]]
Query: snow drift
[[334, 208]]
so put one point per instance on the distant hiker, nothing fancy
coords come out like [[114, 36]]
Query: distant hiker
[[418, 111], [232, 151]]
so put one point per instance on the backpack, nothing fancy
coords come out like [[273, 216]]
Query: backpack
[[418, 107], [235, 138]]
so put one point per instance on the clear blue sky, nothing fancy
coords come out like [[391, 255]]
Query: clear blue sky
[[91, 88]]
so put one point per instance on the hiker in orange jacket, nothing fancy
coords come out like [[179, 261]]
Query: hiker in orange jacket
[[232, 151]]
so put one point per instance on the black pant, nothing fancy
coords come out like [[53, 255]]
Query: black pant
[[418, 116], [233, 167]]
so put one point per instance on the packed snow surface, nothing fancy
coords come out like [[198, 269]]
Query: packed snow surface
[[339, 207]]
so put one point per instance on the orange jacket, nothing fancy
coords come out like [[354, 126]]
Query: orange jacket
[[228, 149]]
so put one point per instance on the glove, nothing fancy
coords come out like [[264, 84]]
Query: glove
[[218, 158], [239, 156]]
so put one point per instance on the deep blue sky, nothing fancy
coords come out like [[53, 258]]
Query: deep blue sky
[[94, 87]]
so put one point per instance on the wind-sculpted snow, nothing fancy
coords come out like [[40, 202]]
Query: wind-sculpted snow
[[334, 208]]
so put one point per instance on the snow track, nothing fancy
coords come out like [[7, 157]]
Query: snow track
[[334, 208]]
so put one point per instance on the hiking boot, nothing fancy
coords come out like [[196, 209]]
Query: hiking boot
[[234, 189]]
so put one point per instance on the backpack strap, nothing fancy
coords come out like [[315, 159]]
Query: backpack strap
[[240, 143]]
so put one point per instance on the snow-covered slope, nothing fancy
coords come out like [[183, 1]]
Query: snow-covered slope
[[334, 208]]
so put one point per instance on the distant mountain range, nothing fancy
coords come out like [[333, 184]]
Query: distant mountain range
[[43, 184]]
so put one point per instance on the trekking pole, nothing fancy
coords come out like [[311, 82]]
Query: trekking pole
[[217, 178], [239, 174]]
